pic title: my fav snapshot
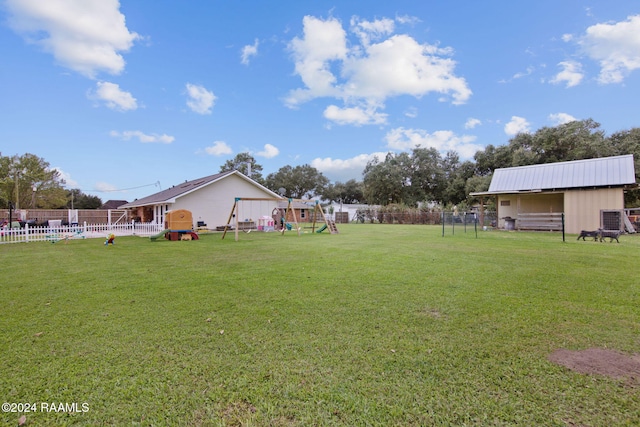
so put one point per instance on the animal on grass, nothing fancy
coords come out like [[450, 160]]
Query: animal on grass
[[110, 239], [586, 233], [611, 235]]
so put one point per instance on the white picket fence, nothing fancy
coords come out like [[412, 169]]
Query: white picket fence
[[70, 232]]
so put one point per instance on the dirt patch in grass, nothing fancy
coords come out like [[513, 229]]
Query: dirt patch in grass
[[599, 361], [238, 413]]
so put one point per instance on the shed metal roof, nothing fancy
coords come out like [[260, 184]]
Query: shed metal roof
[[602, 172]]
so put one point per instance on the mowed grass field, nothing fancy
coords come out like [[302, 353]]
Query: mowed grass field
[[380, 325]]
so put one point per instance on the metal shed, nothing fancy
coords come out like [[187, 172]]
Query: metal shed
[[537, 195]]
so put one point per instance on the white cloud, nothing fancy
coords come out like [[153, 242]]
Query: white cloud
[[522, 74], [571, 74], [344, 170], [105, 187], [402, 66], [114, 97], [142, 137], [517, 125], [323, 42], [86, 36], [354, 116], [616, 47], [567, 37], [366, 74], [411, 112], [472, 123], [200, 100], [69, 182], [561, 118], [407, 19], [371, 30], [269, 151], [219, 148], [248, 51], [442, 140]]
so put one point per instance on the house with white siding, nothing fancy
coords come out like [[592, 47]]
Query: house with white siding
[[209, 199]]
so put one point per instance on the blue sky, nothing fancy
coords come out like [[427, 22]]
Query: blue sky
[[121, 96]]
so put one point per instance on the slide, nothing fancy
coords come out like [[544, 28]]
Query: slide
[[321, 229], [160, 234]]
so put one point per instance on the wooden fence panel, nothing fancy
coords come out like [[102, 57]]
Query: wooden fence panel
[[91, 216]]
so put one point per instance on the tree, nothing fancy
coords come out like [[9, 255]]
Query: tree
[[29, 182], [430, 172], [384, 181], [241, 163], [576, 140], [458, 174], [628, 142], [297, 182], [347, 192], [76, 199]]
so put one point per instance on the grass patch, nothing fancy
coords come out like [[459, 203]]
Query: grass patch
[[378, 325]]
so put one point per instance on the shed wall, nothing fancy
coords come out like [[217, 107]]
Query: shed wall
[[582, 207], [510, 205]]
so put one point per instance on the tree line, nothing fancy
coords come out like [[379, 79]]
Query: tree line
[[28, 182], [425, 177], [421, 176]]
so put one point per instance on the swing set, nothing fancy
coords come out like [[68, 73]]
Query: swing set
[[290, 213]]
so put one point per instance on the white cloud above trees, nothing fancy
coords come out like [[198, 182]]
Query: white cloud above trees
[[199, 99], [561, 118], [344, 169], [571, 74], [404, 139], [145, 138], [354, 115], [365, 70], [113, 97], [219, 148], [517, 125], [87, 36], [269, 151], [472, 123], [249, 51], [616, 47]]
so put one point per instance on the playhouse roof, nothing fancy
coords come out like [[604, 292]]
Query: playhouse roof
[[617, 171], [171, 194]]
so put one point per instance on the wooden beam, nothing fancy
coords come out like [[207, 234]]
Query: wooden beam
[[226, 226]]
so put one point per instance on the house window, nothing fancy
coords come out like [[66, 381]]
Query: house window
[[303, 213], [505, 202]]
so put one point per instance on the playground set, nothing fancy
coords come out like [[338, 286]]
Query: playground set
[[178, 225], [284, 219]]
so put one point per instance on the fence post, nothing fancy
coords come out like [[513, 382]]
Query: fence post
[[563, 226], [442, 223], [26, 232], [453, 225]]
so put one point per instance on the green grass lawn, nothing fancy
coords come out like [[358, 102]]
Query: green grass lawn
[[385, 325]]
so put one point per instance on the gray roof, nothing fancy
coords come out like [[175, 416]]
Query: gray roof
[[170, 194], [614, 171]]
